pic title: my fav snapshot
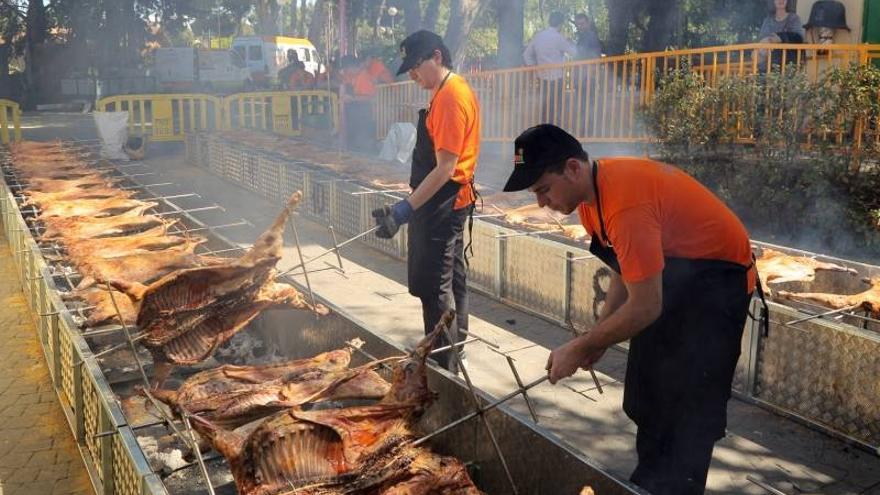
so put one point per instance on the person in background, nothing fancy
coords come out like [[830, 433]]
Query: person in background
[[782, 25], [682, 279], [588, 44], [287, 70], [358, 91], [442, 178], [549, 46], [300, 79], [377, 70], [781, 22]]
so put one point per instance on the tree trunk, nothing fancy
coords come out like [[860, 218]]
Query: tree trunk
[[267, 17], [431, 12], [318, 24], [511, 14], [5, 89], [294, 25], [462, 15], [35, 21], [302, 14], [412, 15], [661, 26], [621, 14]]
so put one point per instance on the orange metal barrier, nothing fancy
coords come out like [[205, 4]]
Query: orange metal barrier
[[10, 115], [283, 112], [597, 100], [166, 117]]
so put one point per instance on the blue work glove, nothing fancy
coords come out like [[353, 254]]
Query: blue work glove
[[390, 218]]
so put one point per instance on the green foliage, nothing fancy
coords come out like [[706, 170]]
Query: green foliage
[[806, 178]]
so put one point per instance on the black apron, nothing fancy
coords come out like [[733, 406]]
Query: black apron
[[682, 365], [433, 226]]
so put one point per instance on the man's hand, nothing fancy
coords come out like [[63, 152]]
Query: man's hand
[[390, 218], [567, 358]]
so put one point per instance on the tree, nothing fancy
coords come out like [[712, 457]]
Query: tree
[[462, 15], [511, 19]]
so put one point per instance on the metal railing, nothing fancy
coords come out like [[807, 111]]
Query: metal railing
[[282, 112], [10, 120], [166, 117], [598, 100], [169, 117]]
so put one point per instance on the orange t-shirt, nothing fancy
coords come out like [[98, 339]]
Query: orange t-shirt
[[653, 210], [454, 125], [362, 83]]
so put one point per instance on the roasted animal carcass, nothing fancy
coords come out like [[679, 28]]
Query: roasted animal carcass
[[95, 208], [111, 247], [775, 267], [362, 449], [128, 223], [45, 198], [140, 267], [868, 300], [103, 307], [536, 217], [188, 313], [230, 396], [84, 183]]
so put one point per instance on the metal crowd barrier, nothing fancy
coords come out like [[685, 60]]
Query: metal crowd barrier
[[166, 117], [597, 100], [282, 112], [112, 456], [169, 117], [822, 372], [10, 119]]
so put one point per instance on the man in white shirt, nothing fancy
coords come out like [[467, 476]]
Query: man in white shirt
[[549, 47]]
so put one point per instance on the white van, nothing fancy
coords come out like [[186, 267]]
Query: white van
[[266, 55], [193, 69]]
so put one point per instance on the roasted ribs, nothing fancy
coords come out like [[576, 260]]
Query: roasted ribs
[[361, 449], [188, 313], [230, 396]]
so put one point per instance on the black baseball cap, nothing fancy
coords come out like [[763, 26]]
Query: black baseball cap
[[537, 149], [419, 46]]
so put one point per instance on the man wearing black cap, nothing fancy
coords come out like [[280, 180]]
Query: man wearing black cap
[[442, 175], [681, 285]]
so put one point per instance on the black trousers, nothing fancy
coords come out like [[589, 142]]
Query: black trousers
[[551, 100], [679, 374], [438, 275]]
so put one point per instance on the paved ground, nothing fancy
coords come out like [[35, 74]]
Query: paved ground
[[37, 451], [790, 457]]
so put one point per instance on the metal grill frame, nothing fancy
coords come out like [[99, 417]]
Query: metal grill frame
[[73, 370], [571, 289]]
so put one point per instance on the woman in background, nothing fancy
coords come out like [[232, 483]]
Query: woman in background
[[781, 19]]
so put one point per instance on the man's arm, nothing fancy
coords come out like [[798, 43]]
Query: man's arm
[[435, 180], [643, 305], [529, 54]]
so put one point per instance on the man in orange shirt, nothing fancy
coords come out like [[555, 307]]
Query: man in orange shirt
[[682, 280], [442, 179]]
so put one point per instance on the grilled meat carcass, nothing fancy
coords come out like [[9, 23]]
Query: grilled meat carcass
[[82, 250], [103, 310], [140, 267], [868, 300], [327, 450], [188, 313], [84, 183], [231, 396], [45, 198], [128, 223], [775, 267], [95, 208]]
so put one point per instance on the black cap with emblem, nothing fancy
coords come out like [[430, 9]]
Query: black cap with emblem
[[537, 149], [420, 46]]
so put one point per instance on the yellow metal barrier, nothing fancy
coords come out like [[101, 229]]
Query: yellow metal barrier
[[597, 100], [283, 112], [10, 115], [166, 117]]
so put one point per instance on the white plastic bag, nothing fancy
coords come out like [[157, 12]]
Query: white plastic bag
[[399, 143], [113, 131]]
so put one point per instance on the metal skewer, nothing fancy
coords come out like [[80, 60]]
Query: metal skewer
[[822, 315], [313, 258]]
